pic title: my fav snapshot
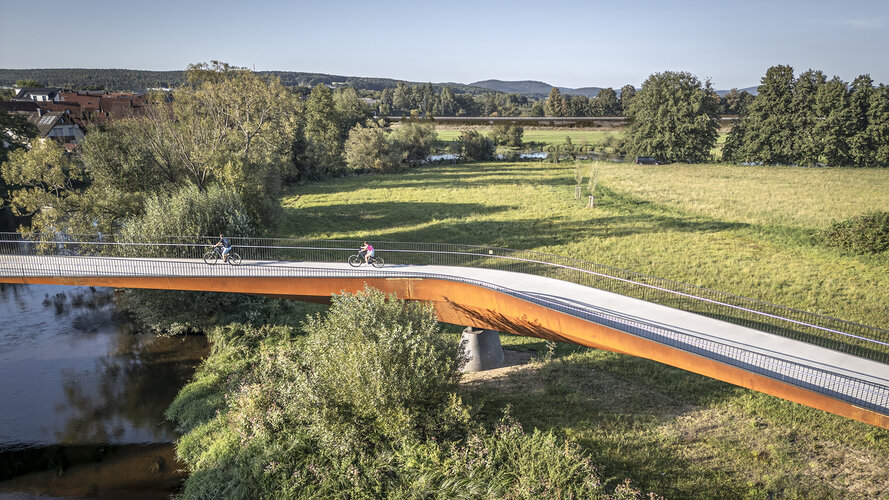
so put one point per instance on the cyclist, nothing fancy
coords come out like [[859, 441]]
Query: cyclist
[[225, 245], [368, 252]]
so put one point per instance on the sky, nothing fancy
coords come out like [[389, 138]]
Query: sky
[[563, 43]]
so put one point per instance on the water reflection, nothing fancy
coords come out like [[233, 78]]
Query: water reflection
[[81, 386], [75, 372]]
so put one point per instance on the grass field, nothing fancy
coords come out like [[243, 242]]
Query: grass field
[[745, 230], [548, 136], [540, 137]]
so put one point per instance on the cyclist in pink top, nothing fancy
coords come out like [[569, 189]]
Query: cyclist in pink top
[[368, 252]]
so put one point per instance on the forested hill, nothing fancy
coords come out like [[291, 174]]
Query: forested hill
[[139, 81], [541, 90], [532, 88]]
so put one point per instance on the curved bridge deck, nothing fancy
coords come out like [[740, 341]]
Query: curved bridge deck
[[525, 304]]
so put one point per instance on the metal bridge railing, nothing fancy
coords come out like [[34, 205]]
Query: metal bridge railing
[[844, 336]]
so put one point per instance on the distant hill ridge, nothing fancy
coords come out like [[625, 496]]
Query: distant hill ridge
[[140, 80], [533, 88]]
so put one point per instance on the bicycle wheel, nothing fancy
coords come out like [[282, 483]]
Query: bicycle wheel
[[211, 257], [377, 262], [355, 260], [234, 259]]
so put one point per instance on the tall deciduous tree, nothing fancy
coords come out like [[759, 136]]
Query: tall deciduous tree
[[766, 131], [15, 131], [627, 93], [832, 119], [674, 117], [350, 110], [607, 103], [808, 144], [554, 104], [45, 183], [878, 125], [861, 147], [324, 147]]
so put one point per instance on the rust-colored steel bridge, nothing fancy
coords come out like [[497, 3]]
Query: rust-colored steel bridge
[[825, 363]]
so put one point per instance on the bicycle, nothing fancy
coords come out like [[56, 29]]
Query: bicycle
[[214, 254], [357, 259]]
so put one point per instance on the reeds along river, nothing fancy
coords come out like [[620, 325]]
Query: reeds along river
[[82, 396]]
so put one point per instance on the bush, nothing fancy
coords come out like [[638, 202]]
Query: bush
[[474, 146], [416, 141], [868, 233], [380, 370], [369, 149], [191, 212], [508, 134]]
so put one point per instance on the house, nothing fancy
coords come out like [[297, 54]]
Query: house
[[58, 126], [37, 94]]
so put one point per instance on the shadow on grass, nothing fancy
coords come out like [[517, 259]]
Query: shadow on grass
[[614, 406], [444, 176]]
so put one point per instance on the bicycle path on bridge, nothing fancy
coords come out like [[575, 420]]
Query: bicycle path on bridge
[[860, 382]]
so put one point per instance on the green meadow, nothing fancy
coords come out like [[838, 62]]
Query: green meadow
[[751, 231], [543, 136]]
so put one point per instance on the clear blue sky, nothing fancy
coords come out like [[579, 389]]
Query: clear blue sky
[[564, 43]]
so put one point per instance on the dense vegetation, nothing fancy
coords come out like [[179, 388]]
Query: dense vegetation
[[674, 118], [810, 120], [868, 233], [364, 405]]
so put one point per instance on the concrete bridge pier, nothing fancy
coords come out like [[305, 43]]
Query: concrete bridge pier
[[482, 349]]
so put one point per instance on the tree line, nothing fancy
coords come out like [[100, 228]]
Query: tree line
[[388, 96], [806, 120], [812, 120]]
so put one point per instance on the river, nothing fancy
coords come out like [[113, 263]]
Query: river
[[82, 396]]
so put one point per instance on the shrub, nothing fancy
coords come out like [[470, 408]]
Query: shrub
[[379, 369], [508, 134], [868, 233], [369, 149], [474, 146], [416, 141], [191, 212]]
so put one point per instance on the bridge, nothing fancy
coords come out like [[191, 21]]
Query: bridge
[[826, 363]]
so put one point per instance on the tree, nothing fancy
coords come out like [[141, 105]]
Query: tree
[[369, 149], [447, 105], [27, 83], [554, 105], [832, 117], [878, 125], [861, 147], [45, 183], [473, 146], [766, 131], [415, 141], [324, 148], [674, 118], [735, 101], [808, 145], [508, 134], [627, 93], [350, 110], [16, 131], [402, 99], [607, 103]]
